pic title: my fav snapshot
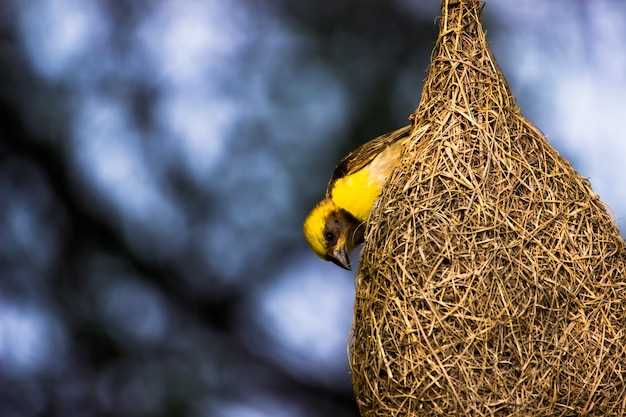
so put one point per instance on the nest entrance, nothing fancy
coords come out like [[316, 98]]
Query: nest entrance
[[492, 281]]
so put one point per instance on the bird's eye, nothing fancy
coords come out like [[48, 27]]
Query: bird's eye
[[329, 236]]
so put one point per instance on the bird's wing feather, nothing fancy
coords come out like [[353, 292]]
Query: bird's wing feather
[[365, 153]]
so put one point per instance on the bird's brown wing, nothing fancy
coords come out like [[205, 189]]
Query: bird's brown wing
[[365, 153]]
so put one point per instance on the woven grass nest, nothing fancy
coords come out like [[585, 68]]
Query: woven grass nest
[[492, 278]]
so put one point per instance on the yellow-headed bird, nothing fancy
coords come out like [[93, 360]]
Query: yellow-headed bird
[[334, 226]]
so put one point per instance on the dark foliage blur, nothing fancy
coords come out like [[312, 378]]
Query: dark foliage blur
[[157, 159]]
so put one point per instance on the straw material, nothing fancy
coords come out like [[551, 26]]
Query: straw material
[[492, 279]]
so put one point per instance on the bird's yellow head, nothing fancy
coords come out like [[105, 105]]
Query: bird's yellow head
[[332, 232]]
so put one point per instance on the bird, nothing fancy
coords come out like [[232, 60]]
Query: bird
[[335, 225]]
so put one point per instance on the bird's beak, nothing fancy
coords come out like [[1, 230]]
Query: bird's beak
[[340, 258]]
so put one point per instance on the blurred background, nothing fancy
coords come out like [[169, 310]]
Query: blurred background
[[157, 159]]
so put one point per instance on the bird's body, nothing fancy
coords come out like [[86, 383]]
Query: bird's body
[[357, 191], [332, 227]]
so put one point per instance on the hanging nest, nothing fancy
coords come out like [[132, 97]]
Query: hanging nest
[[492, 279]]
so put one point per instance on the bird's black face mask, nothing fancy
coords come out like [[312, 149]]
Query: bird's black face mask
[[341, 234]]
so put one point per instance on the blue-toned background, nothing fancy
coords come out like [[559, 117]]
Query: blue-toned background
[[157, 159]]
